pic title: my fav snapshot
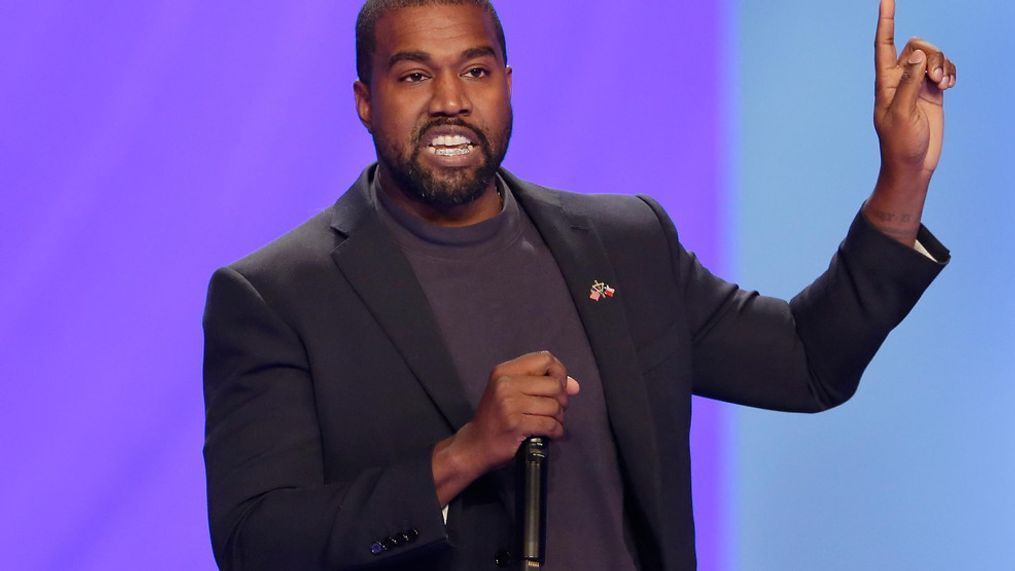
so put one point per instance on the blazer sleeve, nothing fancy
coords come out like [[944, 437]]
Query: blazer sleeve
[[807, 354], [269, 504]]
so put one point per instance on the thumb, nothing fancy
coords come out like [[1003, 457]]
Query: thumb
[[572, 386], [915, 68]]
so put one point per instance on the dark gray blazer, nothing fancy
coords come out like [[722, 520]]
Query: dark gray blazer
[[327, 383]]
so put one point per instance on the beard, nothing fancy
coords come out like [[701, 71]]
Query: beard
[[445, 187]]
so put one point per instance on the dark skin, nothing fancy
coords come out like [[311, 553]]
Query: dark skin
[[525, 396], [444, 62], [909, 120], [431, 63]]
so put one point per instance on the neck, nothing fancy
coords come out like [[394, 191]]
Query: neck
[[486, 206]]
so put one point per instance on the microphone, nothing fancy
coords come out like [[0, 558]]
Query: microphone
[[532, 463]]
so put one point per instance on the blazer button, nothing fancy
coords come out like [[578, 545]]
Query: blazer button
[[412, 533], [387, 543], [376, 549], [502, 558]]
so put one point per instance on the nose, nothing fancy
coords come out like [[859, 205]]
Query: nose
[[449, 97]]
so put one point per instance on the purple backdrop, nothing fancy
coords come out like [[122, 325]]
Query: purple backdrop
[[143, 144]]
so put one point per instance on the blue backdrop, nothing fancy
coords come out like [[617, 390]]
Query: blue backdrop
[[916, 471]]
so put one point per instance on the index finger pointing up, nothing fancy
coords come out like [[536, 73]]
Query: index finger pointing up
[[885, 56]]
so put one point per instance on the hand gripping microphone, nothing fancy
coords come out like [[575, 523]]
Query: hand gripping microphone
[[532, 463]]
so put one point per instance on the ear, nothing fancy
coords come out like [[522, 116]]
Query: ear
[[362, 93], [508, 72]]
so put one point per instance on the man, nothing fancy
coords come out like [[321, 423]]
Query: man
[[370, 375]]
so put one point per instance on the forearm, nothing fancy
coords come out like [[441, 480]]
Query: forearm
[[870, 286], [449, 476], [378, 514], [454, 467], [808, 355]]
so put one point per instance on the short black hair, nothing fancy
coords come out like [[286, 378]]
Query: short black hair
[[366, 22]]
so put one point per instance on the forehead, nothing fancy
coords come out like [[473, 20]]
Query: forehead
[[437, 30]]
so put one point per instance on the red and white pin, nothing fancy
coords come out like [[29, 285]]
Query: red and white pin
[[600, 290]]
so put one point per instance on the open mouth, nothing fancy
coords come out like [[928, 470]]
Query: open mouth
[[450, 146]]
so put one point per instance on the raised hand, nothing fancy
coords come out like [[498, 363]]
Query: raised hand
[[909, 120]]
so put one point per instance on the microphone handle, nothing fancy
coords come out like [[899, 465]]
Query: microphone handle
[[532, 464]]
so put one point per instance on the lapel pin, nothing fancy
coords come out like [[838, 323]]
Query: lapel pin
[[600, 290]]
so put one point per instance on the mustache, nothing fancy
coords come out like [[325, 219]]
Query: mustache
[[450, 122]]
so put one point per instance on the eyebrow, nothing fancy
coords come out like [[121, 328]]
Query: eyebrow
[[407, 56], [484, 51], [424, 57]]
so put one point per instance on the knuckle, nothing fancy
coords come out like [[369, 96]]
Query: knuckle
[[546, 358], [557, 431], [500, 387], [504, 402], [512, 423]]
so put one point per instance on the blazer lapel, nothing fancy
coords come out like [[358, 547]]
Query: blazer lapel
[[582, 259], [375, 266]]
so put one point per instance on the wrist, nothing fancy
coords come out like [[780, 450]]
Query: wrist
[[902, 178], [896, 205], [456, 459], [454, 466]]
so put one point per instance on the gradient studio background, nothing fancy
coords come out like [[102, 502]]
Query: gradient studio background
[[143, 144]]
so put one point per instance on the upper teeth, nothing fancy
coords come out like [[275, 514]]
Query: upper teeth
[[449, 141]]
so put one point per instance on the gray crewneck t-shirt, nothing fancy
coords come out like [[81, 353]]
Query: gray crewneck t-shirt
[[497, 293]]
